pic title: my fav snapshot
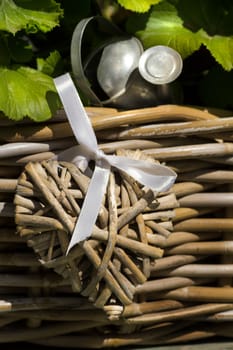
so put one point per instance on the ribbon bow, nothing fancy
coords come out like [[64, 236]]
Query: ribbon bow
[[154, 176]]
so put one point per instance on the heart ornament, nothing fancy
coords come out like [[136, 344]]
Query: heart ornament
[[108, 266]]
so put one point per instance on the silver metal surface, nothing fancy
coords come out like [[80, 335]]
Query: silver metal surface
[[160, 64], [116, 64], [118, 73]]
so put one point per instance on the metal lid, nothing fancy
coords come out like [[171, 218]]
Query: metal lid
[[160, 64]]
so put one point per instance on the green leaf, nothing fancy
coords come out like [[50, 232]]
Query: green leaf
[[138, 6], [214, 16], [27, 92], [221, 48], [165, 27], [51, 65], [14, 18]]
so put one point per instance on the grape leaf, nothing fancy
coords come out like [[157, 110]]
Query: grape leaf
[[165, 27], [215, 17], [27, 92], [138, 6], [14, 18], [221, 48], [52, 65]]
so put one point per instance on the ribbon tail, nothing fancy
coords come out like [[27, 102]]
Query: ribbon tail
[[91, 206], [156, 176]]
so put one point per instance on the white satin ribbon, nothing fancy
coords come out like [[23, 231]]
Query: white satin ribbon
[[155, 176]]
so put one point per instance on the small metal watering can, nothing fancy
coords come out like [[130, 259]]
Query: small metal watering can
[[119, 72]]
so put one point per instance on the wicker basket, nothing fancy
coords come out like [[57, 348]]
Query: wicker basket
[[187, 292]]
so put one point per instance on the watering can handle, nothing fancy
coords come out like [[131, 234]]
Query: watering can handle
[[76, 55]]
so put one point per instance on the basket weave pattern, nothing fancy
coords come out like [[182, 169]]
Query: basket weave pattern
[[48, 199], [173, 296]]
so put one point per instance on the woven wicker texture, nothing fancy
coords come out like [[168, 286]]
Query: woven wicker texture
[[188, 293], [48, 199]]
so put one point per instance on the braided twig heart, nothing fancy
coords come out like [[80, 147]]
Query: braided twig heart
[[108, 266]]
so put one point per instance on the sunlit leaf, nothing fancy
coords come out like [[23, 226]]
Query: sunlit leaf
[[14, 18], [138, 6], [221, 48], [164, 26], [27, 92], [51, 65]]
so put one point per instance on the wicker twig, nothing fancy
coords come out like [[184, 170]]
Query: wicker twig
[[203, 294], [183, 313], [154, 264], [205, 225], [151, 131]]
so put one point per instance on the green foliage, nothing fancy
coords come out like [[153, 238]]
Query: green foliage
[[169, 25], [18, 15], [52, 65], [35, 39], [202, 32], [138, 6], [221, 48], [34, 46], [165, 27], [26, 91]]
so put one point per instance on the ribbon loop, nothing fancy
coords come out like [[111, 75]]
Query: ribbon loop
[[155, 176]]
